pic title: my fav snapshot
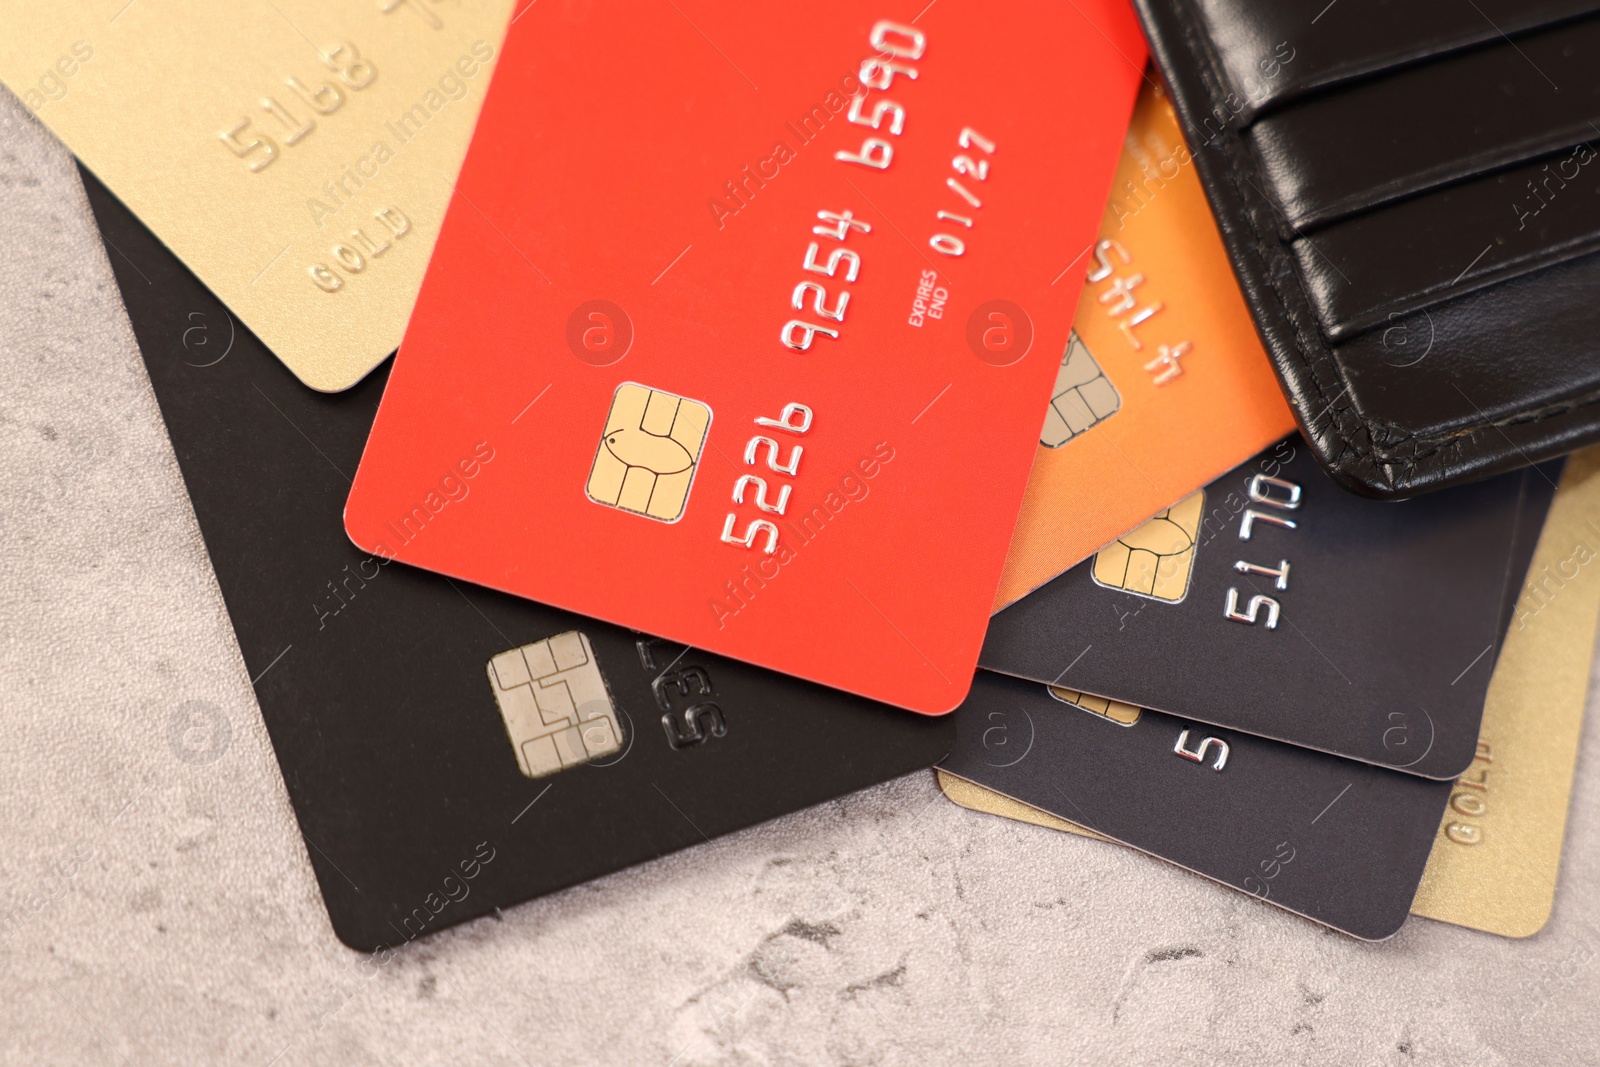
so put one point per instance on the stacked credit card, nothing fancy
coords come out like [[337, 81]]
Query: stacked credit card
[[786, 400]]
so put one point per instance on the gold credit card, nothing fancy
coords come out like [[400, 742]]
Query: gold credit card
[[976, 797], [297, 155], [1494, 863]]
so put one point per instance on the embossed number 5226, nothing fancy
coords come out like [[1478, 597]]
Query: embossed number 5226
[[796, 419]]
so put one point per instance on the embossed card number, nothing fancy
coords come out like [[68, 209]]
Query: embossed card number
[[326, 135], [690, 714], [1202, 750], [796, 420], [798, 334], [895, 42], [1278, 495], [353, 71]]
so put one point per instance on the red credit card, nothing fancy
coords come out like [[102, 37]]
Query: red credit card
[[742, 319]]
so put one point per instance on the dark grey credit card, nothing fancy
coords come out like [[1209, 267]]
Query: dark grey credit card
[[1276, 603], [1335, 840]]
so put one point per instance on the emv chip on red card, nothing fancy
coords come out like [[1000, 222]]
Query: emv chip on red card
[[756, 308], [648, 452]]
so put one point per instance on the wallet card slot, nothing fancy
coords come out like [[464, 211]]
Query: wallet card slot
[[1275, 51], [1431, 376], [1367, 271], [1374, 142], [1508, 373]]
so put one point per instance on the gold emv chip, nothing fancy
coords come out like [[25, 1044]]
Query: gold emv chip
[[1157, 558], [648, 452], [1118, 712], [555, 704]]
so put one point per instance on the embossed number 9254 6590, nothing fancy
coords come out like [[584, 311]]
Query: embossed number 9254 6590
[[898, 45]]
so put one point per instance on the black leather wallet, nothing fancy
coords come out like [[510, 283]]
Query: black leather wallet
[[1411, 199]]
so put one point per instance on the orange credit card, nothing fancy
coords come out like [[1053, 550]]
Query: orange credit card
[[1164, 386], [741, 318]]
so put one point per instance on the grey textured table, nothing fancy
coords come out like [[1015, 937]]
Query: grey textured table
[[159, 910]]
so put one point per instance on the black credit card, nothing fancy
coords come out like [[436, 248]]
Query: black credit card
[[1335, 840], [1275, 603], [450, 750]]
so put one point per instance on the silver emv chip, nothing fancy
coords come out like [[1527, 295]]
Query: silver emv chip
[[555, 704]]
